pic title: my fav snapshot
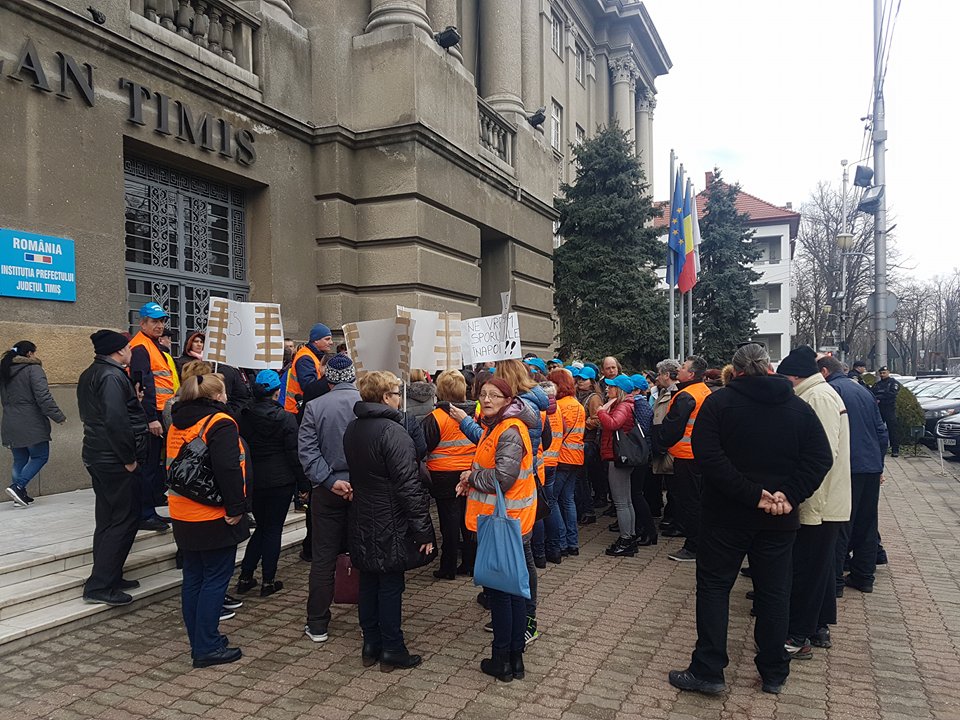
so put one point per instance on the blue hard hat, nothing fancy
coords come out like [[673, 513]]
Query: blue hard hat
[[268, 380], [623, 382], [153, 310]]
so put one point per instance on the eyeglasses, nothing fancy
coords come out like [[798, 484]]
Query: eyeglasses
[[394, 392], [491, 396]]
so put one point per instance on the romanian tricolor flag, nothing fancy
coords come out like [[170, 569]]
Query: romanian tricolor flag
[[676, 246], [688, 273]]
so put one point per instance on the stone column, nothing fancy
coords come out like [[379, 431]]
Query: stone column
[[531, 56], [388, 13], [443, 13], [623, 73], [500, 55], [652, 104], [643, 132], [591, 93]]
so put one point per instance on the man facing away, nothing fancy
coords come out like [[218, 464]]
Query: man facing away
[[320, 446], [868, 446], [114, 444], [762, 452], [813, 600], [675, 434], [157, 380]]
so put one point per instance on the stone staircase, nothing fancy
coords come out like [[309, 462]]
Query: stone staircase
[[45, 557]]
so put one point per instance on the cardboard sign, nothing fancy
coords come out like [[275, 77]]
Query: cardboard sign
[[486, 339], [244, 334], [380, 345], [435, 343]]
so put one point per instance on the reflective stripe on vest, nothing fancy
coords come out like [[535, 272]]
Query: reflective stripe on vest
[[182, 508], [521, 499], [293, 382], [162, 373], [455, 451], [699, 392], [574, 418], [551, 456]]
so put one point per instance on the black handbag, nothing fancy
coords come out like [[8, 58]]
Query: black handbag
[[191, 472], [415, 558], [543, 507], [631, 448]]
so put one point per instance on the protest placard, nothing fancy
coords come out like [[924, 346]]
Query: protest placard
[[485, 339], [380, 345], [435, 343], [244, 334]]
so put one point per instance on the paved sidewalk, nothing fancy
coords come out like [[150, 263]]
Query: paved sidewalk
[[612, 630]]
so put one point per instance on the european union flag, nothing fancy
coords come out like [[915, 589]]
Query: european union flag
[[676, 242]]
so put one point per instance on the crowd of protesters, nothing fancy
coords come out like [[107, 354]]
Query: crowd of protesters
[[782, 469]]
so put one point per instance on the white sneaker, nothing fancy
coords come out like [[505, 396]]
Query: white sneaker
[[315, 636], [17, 499], [226, 614]]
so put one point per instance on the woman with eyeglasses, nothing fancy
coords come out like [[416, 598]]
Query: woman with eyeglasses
[[504, 457], [389, 530]]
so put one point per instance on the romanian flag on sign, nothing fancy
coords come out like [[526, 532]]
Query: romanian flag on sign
[[688, 272], [676, 246]]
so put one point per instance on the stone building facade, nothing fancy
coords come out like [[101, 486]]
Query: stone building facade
[[329, 156]]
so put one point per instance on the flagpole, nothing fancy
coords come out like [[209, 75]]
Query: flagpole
[[682, 336], [669, 278], [690, 291]]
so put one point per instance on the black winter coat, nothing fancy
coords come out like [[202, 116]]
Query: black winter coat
[[756, 434], [114, 425], [390, 512], [271, 435]]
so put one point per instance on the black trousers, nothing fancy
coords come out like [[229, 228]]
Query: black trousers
[[859, 536], [328, 515], [270, 507], [889, 415], [718, 562], [451, 512], [117, 514], [813, 599], [653, 493], [687, 484], [639, 479], [380, 609], [153, 477], [596, 472]]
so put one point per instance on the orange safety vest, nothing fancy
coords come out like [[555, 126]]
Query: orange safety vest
[[454, 452], [164, 376], [521, 499], [699, 392], [551, 456], [574, 418], [182, 508], [293, 382]]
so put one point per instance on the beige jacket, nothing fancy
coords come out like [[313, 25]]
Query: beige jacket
[[662, 464], [831, 502]]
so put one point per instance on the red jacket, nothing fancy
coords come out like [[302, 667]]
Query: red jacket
[[619, 417]]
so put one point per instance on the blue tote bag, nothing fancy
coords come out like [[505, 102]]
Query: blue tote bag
[[500, 563]]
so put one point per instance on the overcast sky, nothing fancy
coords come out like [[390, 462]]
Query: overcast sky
[[772, 92]]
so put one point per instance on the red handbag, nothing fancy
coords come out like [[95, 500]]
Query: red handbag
[[346, 582]]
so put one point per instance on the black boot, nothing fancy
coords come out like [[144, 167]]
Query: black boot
[[269, 588], [391, 660], [645, 540], [498, 666], [246, 584], [516, 664], [370, 654], [623, 547]]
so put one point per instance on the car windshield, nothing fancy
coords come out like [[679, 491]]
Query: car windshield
[[919, 385], [940, 390]]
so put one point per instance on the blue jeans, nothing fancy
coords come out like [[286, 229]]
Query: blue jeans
[[566, 511], [545, 538], [380, 609], [206, 574], [27, 462]]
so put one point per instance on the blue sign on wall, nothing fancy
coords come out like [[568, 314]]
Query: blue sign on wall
[[38, 267]]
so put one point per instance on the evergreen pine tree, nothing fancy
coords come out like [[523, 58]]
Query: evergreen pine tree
[[724, 301], [605, 285]]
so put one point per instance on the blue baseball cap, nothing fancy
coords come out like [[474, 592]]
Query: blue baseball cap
[[537, 363], [573, 370], [623, 382], [268, 380], [639, 382], [588, 373], [153, 310], [556, 361]]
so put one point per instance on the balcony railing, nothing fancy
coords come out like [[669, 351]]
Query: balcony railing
[[496, 134], [219, 26]]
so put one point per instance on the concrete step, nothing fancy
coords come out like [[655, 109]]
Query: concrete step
[[48, 600]]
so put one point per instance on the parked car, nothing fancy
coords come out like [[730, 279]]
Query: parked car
[[948, 430], [938, 400]]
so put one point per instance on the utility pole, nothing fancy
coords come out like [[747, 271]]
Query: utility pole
[[843, 263], [880, 179], [673, 312]]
